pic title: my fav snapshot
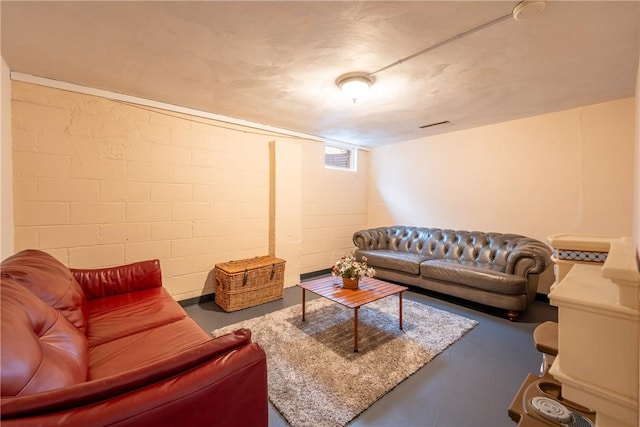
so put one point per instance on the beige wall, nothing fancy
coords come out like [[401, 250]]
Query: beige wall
[[287, 215], [317, 210], [101, 183], [636, 190], [334, 206], [569, 171], [6, 178]]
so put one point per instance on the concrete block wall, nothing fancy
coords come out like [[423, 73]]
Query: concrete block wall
[[334, 206], [100, 183], [287, 206]]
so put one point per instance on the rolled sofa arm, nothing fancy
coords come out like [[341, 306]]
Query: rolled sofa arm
[[145, 389], [373, 238], [528, 257], [103, 282]]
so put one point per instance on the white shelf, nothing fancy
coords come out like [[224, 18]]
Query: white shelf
[[599, 328]]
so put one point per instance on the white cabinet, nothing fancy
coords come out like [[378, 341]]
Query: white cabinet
[[598, 327]]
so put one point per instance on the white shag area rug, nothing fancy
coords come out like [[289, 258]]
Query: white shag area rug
[[315, 378]]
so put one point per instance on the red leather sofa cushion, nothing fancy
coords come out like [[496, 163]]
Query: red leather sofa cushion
[[50, 281], [41, 349], [145, 347], [126, 314]]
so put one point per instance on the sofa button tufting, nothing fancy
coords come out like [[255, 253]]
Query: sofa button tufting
[[476, 260]]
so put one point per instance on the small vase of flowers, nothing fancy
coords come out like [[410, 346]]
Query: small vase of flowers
[[351, 271]]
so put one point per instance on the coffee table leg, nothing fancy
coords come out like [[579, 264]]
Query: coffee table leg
[[355, 330], [303, 295], [400, 299]]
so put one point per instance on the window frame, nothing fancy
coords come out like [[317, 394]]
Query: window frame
[[352, 157]]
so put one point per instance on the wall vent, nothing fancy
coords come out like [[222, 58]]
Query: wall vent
[[434, 124]]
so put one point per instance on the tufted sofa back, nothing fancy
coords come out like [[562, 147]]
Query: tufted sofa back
[[496, 249], [41, 349], [44, 319], [51, 281]]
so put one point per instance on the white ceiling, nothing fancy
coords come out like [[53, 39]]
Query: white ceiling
[[275, 63]]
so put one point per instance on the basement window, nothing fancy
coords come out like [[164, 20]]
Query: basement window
[[339, 158]]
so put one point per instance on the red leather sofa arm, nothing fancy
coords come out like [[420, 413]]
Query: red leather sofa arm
[[221, 382], [103, 282]]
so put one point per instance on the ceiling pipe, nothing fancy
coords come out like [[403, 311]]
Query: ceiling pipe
[[517, 13]]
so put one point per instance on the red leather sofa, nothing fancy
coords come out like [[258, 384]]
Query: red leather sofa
[[110, 346]]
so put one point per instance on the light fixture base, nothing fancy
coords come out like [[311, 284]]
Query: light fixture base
[[355, 84], [528, 9]]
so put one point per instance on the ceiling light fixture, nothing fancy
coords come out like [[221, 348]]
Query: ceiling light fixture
[[354, 85], [357, 84], [528, 9]]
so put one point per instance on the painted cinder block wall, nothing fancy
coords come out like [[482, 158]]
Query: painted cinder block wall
[[99, 182], [331, 199], [334, 206], [317, 209]]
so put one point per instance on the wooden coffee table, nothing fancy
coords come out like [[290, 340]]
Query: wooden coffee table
[[370, 290]]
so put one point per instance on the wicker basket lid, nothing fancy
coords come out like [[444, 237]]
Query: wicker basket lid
[[249, 264]]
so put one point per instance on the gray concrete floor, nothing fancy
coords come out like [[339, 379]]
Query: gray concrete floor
[[470, 384]]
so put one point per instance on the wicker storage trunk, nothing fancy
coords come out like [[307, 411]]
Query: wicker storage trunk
[[248, 282]]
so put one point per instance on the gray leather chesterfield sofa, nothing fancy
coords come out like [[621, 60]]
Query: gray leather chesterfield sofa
[[499, 270]]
